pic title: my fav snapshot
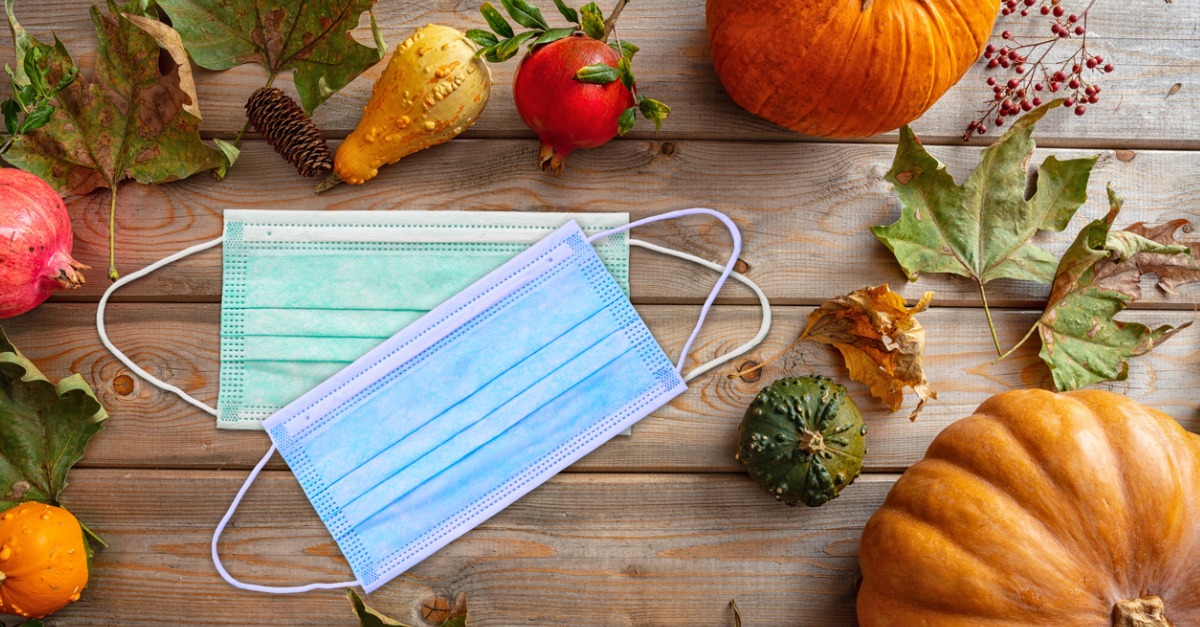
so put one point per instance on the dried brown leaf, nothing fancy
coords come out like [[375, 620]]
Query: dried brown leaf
[[880, 339]]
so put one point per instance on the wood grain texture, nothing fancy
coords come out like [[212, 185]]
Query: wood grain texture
[[695, 433], [583, 549], [804, 211], [1152, 43]]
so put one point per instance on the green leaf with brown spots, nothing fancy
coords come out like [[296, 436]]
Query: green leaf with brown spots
[[138, 118], [311, 38], [982, 229], [44, 430], [1098, 277]]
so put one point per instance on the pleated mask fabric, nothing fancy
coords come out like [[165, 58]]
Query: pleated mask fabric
[[473, 405], [306, 293]]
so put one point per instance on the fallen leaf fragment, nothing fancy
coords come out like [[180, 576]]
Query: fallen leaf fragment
[[1098, 277], [880, 339], [436, 610]]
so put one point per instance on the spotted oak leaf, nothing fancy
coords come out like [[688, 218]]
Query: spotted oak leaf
[[311, 38], [1098, 277], [44, 430], [137, 118], [880, 339], [983, 228]]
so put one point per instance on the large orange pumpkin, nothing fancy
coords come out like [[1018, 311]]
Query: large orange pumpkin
[[1078, 509], [845, 68], [43, 562]]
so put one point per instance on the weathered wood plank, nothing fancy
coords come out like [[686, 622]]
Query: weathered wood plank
[[697, 432], [804, 210], [592, 549], [1154, 47]]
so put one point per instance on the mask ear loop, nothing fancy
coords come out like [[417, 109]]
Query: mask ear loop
[[734, 233], [162, 385], [216, 556], [124, 359], [763, 329]]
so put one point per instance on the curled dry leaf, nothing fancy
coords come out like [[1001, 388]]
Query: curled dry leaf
[[1098, 277], [880, 339]]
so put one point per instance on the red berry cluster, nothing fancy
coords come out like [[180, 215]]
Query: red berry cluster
[[1035, 76]]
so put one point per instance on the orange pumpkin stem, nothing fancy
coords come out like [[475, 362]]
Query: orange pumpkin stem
[[2, 577], [867, 4], [1141, 612]]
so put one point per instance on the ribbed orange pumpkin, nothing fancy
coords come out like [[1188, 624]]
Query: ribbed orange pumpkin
[[845, 68], [1078, 509], [43, 562]]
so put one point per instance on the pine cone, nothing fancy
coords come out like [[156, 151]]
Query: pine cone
[[289, 131]]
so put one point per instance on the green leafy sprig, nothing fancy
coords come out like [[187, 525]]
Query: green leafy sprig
[[29, 108], [502, 43]]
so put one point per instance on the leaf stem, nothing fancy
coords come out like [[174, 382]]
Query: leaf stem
[[611, 22], [742, 373], [991, 326], [113, 275], [1019, 344]]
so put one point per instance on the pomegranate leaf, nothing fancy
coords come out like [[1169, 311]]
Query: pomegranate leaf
[[627, 120], [592, 21], [45, 429], [29, 108], [506, 49], [138, 119], [654, 111], [553, 34], [525, 14], [626, 70], [1098, 277], [310, 38], [599, 74], [625, 48], [570, 14], [982, 228], [482, 37], [495, 20]]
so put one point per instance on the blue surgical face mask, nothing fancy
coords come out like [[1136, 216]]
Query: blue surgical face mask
[[476, 403]]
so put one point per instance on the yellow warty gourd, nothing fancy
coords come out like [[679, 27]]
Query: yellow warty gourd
[[433, 89]]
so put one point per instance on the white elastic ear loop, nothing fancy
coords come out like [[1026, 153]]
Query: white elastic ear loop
[[763, 328], [216, 557], [734, 233], [121, 356]]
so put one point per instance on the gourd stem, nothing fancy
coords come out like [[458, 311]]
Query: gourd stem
[[1146, 611], [328, 183]]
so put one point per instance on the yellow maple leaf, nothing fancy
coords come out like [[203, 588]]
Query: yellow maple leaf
[[880, 339]]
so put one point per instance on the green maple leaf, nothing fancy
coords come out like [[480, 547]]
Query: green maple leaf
[[312, 38], [1098, 277], [44, 430], [138, 119], [982, 228]]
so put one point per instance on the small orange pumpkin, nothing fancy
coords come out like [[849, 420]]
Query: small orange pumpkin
[[43, 562], [845, 68], [1041, 509]]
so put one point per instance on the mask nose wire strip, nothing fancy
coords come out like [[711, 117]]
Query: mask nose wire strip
[[728, 269], [763, 329], [216, 557], [121, 356]]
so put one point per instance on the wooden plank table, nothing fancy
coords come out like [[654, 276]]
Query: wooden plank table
[[661, 528]]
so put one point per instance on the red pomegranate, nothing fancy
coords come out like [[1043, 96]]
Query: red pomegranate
[[564, 112], [35, 243]]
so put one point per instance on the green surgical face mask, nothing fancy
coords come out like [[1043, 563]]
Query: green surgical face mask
[[307, 292]]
